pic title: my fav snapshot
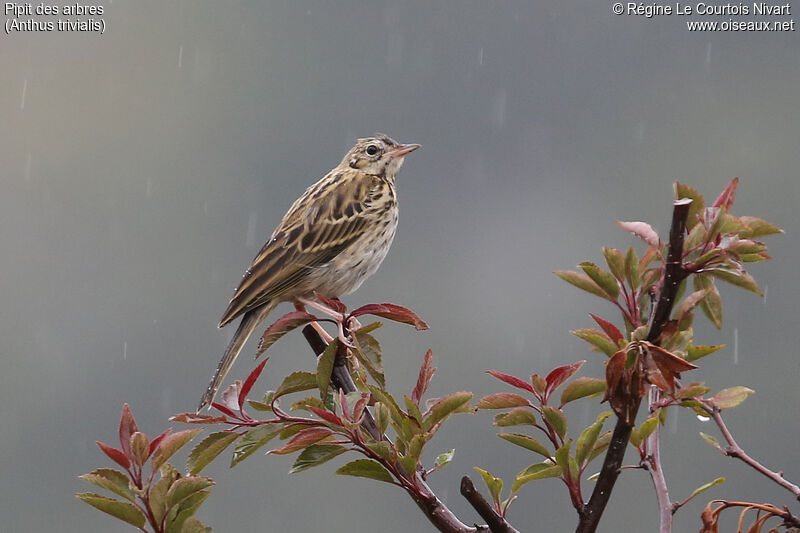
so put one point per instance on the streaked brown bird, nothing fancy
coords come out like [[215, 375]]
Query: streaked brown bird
[[332, 238]]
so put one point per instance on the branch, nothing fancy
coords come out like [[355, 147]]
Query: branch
[[653, 465], [674, 274], [437, 512], [497, 524], [734, 450]]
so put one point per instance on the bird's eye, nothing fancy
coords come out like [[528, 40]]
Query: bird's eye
[[372, 149]]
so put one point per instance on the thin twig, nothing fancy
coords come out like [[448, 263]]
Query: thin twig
[[653, 464], [736, 451], [674, 274], [496, 523]]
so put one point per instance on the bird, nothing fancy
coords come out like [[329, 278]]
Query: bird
[[332, 238]]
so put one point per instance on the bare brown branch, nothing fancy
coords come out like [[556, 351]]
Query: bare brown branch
[[736, 451], [674, 274], [496, 523]]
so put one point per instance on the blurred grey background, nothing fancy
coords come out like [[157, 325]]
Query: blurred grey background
[[143, 169]]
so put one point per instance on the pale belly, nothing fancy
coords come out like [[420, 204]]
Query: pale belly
[[355, 264]]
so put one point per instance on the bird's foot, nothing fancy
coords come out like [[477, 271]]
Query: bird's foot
[[340, 319]]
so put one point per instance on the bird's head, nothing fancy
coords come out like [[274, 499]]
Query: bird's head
[[379, 155]]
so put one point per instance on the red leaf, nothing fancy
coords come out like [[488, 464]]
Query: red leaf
[[326, 415], [345, 406], [423, 380], [197, 418], [115, 455], [398, 313], [559, 375], [668, 361], [333, 303], [127, 427], [615, 369], [223, 409], [728, 195], [282, 326], [155, 442], [643, 230], [304, 438], [250, 381], [513, 381], [610, 329]]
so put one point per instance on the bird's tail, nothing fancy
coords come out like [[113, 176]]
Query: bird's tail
[[249, 322]]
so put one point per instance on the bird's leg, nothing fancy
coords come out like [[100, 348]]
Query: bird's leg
[[353, 323], [336, 315], [317, 327]]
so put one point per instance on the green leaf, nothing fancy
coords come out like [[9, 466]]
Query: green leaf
[[556, 419], [539, 384], [140, 447], [758, 228], [602, 278], [178, 515], [703, 488], [369, 354], [616, 262], [691, 390], [309, 401], [600, 445], [252, 441], [113, 480], [171, 444], [582, 281], [381, 417], [412, 409], [526, 442], [296, 382], [193, 525], [739, 277], [562, 455], [158, 490], [712, 303], [588, 439], [325, 367], [383, 449], [127, 512], [494, 484], [366, 468], [632, 268], [445, 407], [598, 339], [696, 352], [516, 417], [689, 303], [731, 397], [185, 487], [538, 471], [502, 400], [696, 237], [315, 455], [644, 431], [697, 206], [711, 440], [582, 387], [208, 449], [443, 459]]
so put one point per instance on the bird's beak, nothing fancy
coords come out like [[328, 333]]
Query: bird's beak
[[402, 150]]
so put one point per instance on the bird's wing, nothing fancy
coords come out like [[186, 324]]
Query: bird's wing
[[327, 218]]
